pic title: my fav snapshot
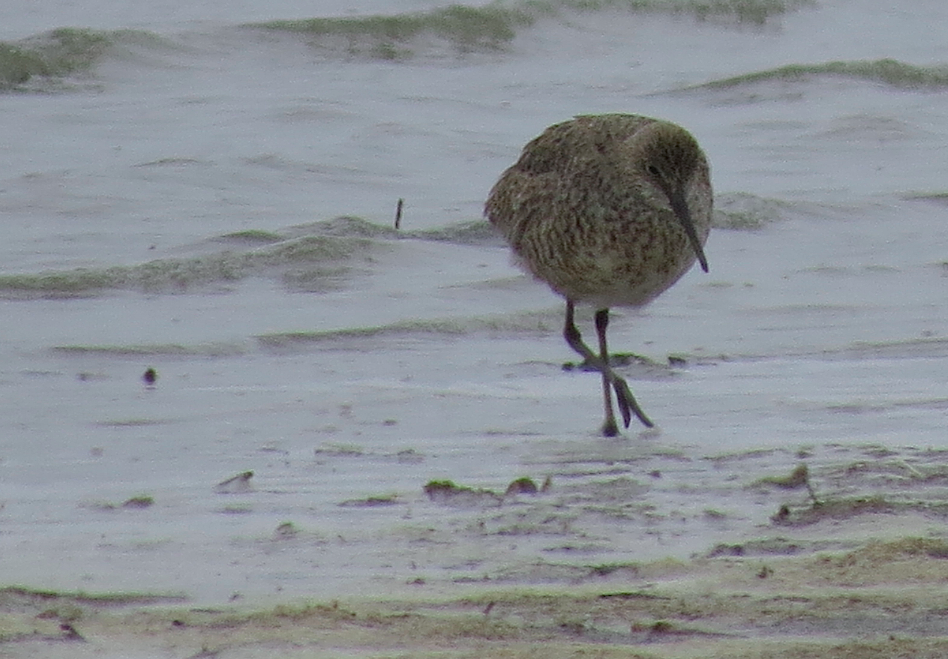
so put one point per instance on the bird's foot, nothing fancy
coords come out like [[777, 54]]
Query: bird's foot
[[627, 404], [609, 428]]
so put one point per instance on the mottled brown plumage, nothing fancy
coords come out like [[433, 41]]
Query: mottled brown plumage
[[609, 210]]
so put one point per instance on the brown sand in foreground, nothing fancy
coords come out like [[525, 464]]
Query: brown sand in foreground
[[882, 599], [852, 564]]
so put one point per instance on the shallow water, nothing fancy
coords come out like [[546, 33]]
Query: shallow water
[[165, 208]]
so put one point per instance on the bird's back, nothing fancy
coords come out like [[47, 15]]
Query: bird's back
[[587, 136], [582, 214]]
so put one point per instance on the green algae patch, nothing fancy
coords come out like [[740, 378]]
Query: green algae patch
[[152, 350], [253, 237], [59, 53], [17, 66], [541, 323], [385, 37], [740, 11], [23, 598], [183, 275], [494, 26], [884, 71], [940, 198], [474, 232], [317, 257]]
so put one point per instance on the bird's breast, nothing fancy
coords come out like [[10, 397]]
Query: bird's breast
[[629, 264]]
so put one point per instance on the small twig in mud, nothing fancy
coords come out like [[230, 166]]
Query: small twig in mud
[[398, 213]]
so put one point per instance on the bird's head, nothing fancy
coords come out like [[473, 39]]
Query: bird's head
[[669, 159]]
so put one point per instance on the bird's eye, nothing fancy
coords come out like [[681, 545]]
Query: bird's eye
[[653, 170]]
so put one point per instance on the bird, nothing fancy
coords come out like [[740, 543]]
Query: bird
[[608, 210]]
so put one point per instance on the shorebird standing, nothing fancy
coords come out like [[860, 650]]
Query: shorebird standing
[[609, 210]]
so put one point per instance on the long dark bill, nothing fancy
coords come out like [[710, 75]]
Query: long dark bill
[[680, 207]]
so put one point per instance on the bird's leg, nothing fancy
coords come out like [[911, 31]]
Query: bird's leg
[[624, 397], [575, 339], [609, 427]]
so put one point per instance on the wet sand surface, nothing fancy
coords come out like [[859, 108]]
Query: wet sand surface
[[846, 556]]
